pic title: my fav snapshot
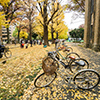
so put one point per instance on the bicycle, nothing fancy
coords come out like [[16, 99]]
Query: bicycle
[[64, 47], [71, 61], [83, 79], [6, 52]]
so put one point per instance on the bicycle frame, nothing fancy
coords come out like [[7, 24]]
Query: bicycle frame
[[69, 74], [63, 58]]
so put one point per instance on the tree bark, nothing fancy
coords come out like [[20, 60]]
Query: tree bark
[[52, 31], [18, 35], [45, 23], [46, 35]]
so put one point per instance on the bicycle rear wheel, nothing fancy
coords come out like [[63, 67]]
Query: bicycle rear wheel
[[78, 64], [8, 53], [44, 80], [86, 79], [75, 55]]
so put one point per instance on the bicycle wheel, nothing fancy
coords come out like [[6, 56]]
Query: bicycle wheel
[[68, 60], [86, 79], [78, 64], [44, 80], [8, 53]]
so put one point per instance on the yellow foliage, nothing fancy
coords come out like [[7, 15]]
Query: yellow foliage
[[39, 27], [2, 16], [23, 34], [4, 2], [3, 21]]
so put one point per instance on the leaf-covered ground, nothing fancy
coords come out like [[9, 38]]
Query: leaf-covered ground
[[61, 90], [18, 73]]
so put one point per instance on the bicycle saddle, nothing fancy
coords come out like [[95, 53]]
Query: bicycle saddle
[[72, 57], [81, 63]]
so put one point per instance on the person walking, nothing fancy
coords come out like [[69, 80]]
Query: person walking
[[56, 41], [31, 42], [26, 44]]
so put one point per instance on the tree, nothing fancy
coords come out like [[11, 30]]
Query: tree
[[20, 23], [15, 33], [9, 10], [77, 33], [44, 8], [2, 16], [77, 7], [23, 34], [57, 25], [30, 13]]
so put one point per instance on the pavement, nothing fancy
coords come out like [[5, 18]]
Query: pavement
[[60, 89]]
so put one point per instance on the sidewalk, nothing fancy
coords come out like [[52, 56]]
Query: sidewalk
[[61, 90]]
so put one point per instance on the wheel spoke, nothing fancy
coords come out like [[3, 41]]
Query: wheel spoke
[[86, 79]]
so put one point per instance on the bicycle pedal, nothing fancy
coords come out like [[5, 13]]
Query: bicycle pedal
[[66, 66]]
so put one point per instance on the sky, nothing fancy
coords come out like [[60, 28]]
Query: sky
[[72, 24]]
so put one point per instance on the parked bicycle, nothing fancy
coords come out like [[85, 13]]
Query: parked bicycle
[[5, 51], [71, 61], [61, 45], [83, 79]]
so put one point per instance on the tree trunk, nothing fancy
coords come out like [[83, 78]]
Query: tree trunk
[[46, 35], [30, 32], [52, 31], [45, 23], [18, 35]]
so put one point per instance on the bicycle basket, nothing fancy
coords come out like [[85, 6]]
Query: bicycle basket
[[49, 65]]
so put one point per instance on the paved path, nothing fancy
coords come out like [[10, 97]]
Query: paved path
[[61, 90]]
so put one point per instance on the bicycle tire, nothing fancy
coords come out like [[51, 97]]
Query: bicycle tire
[[86, 82], [43, 78], [76, 67], [8, 53], [68, 60]]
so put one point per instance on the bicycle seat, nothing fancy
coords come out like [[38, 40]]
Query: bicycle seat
[[72, 57], [81, 63]]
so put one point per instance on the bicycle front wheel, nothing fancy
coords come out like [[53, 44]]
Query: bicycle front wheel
[[44, 80], [8, 53], [86, 79]]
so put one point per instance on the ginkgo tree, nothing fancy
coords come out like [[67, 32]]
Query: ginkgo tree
[[23, 34], [44, 8], [20, 23], [2, 15], [57, 26], [9, 9], [29, 14]]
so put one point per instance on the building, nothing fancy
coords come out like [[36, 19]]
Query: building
[[92, 24], [4, 33]]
